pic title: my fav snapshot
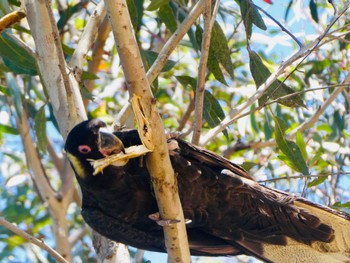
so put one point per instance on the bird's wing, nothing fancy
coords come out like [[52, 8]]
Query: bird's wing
[[223, 200]]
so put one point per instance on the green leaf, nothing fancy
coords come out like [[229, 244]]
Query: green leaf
[[341, 205], [277, 89], [219, 46], [166, 14], [212, 111], [289, 149], [313, 10], [86, 94], [88, 76], [213, 62], [134, 14], [250, 16], [151, 56], [248, 165], [299, 139], [317, 181], [155, 4], [40, 128], [187, 80], [4, 90], [8, 129], [15, 93], [15, 57], [68, 13]]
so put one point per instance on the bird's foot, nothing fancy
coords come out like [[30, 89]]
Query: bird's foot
[[165, 222]]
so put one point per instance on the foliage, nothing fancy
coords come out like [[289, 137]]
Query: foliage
[[246, 50]]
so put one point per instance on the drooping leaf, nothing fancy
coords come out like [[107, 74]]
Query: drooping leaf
[[88, 76], [212, 110], [40, 128], [86, 94], [181, 14], [213, 62], [299, 139], [277, 89], [341, 205], [4, 90], [134, 14], [166, 14], [69, 12], [317, 181], [187, 80], [8, 129], [250, 16], [151, 56], [219, 46], [155, 4], [313, 10], [15, 57], [289, 148]]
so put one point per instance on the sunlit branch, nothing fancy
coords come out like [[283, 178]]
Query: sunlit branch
[[86, 39], [301, 177], [300, 54], [202, 69], [32, 240]]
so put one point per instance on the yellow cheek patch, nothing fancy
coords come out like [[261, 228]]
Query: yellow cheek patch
[[78, 167]]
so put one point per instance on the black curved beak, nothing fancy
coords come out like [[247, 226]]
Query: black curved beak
[[109, 144]]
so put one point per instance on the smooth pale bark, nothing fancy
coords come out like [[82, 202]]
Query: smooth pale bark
[[158, 162]]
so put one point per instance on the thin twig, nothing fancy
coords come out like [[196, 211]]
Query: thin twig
[[200, 89], [302, 53], [300, 177], [280, 25], [86, 39], [174, 40], [97, 53], [32, 240], [186, 116]]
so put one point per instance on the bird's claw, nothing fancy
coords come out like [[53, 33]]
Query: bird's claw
[[165, 222]]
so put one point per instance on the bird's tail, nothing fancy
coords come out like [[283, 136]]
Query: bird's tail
[[337, 250]]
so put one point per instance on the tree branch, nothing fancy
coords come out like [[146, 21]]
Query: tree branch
[[86, 39], [202, 69], [32, 240], [50, 55], [158, 161], [300, 54]]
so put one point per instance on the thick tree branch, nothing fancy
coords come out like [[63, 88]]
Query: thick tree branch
[[158, 161], [57, 204], [50, 55]]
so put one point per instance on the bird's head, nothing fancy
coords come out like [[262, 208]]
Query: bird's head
[[90, 140]]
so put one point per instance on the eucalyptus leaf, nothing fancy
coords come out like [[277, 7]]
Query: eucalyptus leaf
[[277, 89], [40, 128], [289, 148], [15, 57], [166, 14]]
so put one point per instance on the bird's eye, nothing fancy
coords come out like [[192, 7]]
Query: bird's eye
[[84, 149]]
